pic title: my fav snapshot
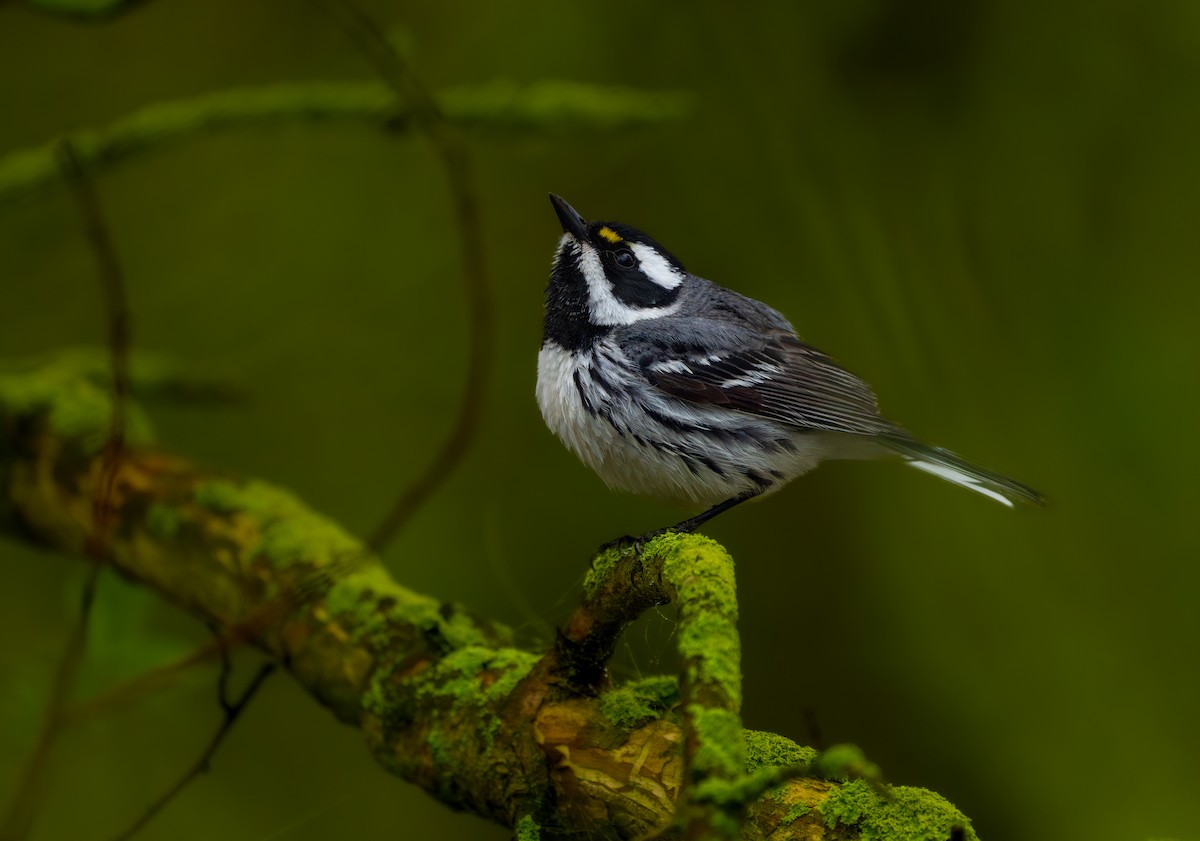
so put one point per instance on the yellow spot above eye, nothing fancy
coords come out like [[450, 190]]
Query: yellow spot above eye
[[610, 235]]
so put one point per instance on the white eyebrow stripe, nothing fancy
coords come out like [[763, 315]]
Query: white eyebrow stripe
[[655, 266], [603, 305]]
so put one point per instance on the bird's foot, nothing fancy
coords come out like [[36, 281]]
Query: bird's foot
[[628, 540], [617, 543]]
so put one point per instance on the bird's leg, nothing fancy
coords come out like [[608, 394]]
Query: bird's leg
[[690, 525], [684, 527]]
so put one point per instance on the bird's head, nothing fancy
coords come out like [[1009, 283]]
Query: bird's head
[[605, 275]]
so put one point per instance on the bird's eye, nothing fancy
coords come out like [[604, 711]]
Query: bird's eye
[[625, 259]]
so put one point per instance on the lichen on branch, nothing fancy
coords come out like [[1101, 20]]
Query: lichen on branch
[[529, 739]]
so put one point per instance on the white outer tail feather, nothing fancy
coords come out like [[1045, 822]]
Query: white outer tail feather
[[954, 468], [958, 477]]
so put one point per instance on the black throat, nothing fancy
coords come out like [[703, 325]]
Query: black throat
[[567, 323]]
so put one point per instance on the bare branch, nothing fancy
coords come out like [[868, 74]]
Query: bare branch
[[231, 711]]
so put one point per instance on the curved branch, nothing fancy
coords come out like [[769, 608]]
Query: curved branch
[[456, 165], [443, 698]]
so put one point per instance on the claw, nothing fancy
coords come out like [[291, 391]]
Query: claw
[[618, 543], [638, 543]]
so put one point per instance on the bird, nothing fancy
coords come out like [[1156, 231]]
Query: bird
[[671, 386]]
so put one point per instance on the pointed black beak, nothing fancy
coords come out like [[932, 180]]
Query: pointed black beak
[[572, 222]]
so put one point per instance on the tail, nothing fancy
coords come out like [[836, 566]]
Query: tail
[[956, 469]]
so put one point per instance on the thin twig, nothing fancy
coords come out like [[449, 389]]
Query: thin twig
[[157, 679], [231, 711], [23, 811], [456, 163]]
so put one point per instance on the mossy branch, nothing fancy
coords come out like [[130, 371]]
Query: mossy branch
[[697, 575], [443, 697], [542, 108]]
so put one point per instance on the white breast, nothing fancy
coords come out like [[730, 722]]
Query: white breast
[[621, 440], [589, 437]]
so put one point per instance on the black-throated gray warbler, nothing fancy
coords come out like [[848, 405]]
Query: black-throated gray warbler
[[668, 385]]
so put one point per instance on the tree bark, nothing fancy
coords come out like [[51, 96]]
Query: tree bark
[[443, 698]]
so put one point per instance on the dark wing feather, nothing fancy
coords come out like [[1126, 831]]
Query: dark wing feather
[[773, 375]]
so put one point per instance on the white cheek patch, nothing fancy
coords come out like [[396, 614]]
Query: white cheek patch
[[605, 308], [655, 266]]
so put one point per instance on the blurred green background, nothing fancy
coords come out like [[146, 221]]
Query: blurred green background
[[987, 209]]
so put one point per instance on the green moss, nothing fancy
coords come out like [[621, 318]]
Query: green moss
[[459, 629], [845, 762], [701, 572], [73, 406], [795, 813], [737, 792], [721, 749], [640, 701], [289, 531], [221, 496], [699, 567], [377, 697], [767, 750], [162, 521], [472, 681], [602, 566], [441, 747], [360, 591], [904, 814], [527, 829], [711, 650]]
